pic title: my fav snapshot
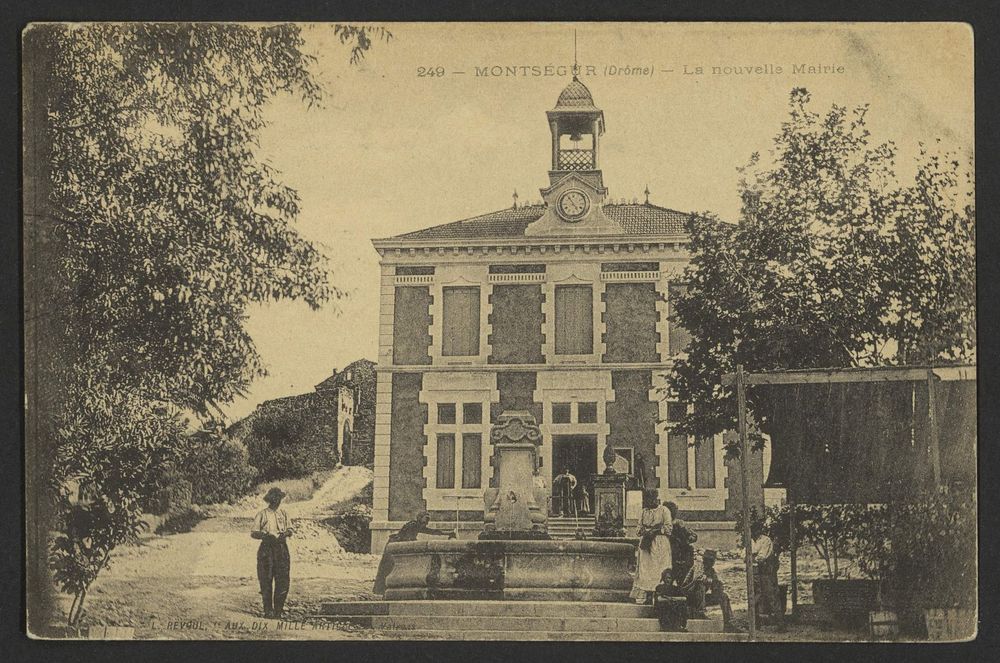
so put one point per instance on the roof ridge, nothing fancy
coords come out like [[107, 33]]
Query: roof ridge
[[635, 218]]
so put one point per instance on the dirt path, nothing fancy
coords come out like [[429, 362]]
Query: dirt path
[[203, 583]]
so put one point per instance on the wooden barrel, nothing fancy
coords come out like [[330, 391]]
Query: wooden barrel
[[883, 625]]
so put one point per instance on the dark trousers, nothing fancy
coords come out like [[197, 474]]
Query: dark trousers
[[704, 593], [566, 500], [766, 587], [273, 567]]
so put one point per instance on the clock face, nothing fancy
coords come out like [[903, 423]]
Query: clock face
[[573, 205]]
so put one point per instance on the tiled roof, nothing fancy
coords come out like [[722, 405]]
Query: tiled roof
[[634, 218], [575, 96]]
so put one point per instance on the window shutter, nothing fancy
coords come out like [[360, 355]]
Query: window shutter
[[704, 463], [472, 446], [446, 461], [460, 326], [677, 449], [574, 320]]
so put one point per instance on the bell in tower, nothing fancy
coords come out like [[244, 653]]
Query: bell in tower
[[577, 126]]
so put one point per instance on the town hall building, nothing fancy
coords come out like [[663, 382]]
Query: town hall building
[[561, 309]]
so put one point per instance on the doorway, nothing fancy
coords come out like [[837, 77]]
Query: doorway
[[578, 454]]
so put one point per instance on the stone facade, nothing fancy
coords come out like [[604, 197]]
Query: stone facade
[[562, 310]]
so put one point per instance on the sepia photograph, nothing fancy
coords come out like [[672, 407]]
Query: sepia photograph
[[535, 331]]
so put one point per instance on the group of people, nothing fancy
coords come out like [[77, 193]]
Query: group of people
[[665, 564], [665, 559]]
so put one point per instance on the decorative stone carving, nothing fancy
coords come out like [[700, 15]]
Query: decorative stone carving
[[516, 426], [609, 504], [512, 505]]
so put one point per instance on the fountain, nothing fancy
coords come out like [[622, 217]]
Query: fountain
[[514, 558]]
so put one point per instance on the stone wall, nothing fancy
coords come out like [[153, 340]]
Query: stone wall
[[516, 393], [632, 418], [630, 319], [362, 384], [517, 321], [406, 447], [411, 338]]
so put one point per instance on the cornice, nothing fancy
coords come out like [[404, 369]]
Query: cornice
[[532, 245]]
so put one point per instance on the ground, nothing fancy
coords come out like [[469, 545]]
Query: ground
[[202, 584]]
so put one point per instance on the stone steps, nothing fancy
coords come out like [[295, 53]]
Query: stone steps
[[565, 528], [513, 625], [489, 608], [518, 620], [569, 636]]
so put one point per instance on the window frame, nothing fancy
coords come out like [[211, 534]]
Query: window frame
[[475, 332], [566, 352], [691, 459]]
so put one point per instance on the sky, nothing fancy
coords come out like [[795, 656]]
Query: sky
[[390, 151]]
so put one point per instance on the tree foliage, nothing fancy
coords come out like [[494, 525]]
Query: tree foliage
[[163, 225], [832, 263]]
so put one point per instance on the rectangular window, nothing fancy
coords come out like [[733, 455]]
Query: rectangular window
[[704, 463], [630, 266], [574, 320], [472, 413], [677, 449], [517, 269], [446, 461], [414, 270], [472, 450], [587, 413], [446, 413], [561, 413], [679, 338], [460, 322]]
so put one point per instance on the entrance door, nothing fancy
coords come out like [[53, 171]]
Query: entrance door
[[578, 454]]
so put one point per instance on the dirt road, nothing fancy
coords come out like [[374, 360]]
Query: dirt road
[[203, 584]]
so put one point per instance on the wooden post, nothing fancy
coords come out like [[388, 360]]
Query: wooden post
[[932, 427], [741, 400], [792, 555]]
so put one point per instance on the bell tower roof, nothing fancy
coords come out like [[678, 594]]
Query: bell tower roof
[[575, 97]]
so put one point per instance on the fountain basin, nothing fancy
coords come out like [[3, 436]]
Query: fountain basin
[[511, 570]]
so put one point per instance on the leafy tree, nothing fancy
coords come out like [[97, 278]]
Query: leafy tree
[[152, 225], [832, 264]]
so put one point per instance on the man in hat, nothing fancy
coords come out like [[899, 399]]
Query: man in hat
[[708, 589], [271, 526], [765, 568], [565, 483], [407, 532]]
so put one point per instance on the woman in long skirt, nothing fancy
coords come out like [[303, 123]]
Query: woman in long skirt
[[654, 547]]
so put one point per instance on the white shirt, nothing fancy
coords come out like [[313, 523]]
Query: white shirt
[[762, 547], [272, 522]]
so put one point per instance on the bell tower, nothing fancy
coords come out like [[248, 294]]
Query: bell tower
[[576, 125], [575, 196]]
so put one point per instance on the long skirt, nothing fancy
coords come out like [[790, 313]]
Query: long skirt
[[650, 566]]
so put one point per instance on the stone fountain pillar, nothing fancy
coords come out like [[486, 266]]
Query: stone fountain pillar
[[515, 504], [609, 498]]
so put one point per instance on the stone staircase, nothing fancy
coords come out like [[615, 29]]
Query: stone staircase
[[565, 528], [518, 620]]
